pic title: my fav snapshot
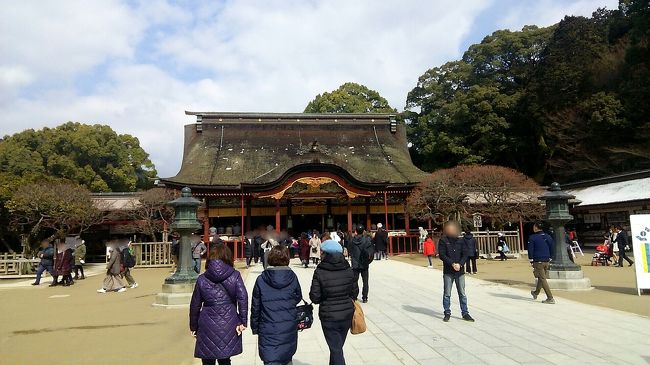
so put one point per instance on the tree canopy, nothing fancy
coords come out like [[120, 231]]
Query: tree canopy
[[349, 98], [93, 156], [499, 193], [566, 102]]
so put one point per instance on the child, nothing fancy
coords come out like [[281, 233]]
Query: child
[[429, 250]]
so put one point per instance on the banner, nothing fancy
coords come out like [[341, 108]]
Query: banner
[[640, 235]]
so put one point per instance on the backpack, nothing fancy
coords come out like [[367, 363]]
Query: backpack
[[128, 260], [365, 255]]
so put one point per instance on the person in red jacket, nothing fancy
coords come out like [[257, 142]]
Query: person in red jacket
[[429, 250]]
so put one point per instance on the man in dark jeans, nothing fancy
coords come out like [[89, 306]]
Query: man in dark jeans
[[47, 261], [472, 252], [380, 241], [453, 253], [362, 254], [540, 252], [621, 240]]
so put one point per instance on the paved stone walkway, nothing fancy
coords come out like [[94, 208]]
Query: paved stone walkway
[[405, 326]]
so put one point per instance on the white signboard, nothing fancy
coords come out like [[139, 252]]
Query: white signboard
[[640, 235], [478, 221]]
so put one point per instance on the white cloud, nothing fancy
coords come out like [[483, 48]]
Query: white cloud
[[548, 12], [141, 65]]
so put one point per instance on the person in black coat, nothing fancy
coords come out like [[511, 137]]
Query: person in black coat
[[273, 311], [361, 252], [380, 241], [621, 240], [453, 253], [248, 250], [257, 247], [334, 288], [472, 252]]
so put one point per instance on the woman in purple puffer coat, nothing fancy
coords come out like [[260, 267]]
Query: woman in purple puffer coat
[[219, 309]]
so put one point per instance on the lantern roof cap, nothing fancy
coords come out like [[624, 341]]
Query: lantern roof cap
[[555, 192], [186, 199]]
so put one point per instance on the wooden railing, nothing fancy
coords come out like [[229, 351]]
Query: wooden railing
[[16, 265], [486, 241], [152, 254]]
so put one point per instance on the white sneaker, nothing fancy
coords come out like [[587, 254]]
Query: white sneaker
[[102, 290], [135, 285], [430, 267], [122, 290]]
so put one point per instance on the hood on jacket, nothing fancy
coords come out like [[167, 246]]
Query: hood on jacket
[[218, 271], [334, 262], [278, 277], [357, 240], [469, 235]]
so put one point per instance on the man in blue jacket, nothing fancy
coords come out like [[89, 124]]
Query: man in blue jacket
[[453, 253], [47, 261], [540, 253]]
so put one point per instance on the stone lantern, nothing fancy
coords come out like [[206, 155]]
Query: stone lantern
[[177, 289], [563, 273]]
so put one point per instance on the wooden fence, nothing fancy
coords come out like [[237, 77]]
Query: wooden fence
[[16, 265], [486, 241]]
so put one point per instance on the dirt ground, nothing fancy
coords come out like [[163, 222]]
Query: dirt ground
[[613, 287], [76, 325]]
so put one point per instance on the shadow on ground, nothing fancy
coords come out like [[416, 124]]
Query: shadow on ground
[[421, 310], [98, 327]]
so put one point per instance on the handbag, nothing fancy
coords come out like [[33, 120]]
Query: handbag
[[358, 319], [506, 249], [305, 315]]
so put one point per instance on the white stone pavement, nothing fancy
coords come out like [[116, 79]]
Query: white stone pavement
[[404, 319]]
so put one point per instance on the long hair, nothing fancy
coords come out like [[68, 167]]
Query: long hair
[[221, 252]]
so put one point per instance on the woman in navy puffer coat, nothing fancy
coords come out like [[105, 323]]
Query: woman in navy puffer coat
[[273, 310], [219, 309]]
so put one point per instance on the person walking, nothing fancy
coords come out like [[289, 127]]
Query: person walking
[[540, 253], [623, 246], [273, 309], [362, 253], [453, 253], [63, 265], [472, 252], [113, 280], [314, 244], [429, 249], [128, 262], [304, 249], [248, 250], [380, 241], [79, 259], [46, 254], [257, 247], [502, 247], [198, 250], [218, 309], [334, 287]]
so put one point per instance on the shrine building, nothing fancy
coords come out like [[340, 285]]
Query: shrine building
[[298, 172]]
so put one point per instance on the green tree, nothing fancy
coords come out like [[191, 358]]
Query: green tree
[[53, 208], [94, 156], [349, 98]]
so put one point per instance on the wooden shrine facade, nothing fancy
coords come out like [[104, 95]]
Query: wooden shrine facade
[[298, 172]]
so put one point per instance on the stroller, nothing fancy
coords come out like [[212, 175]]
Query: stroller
[[601, 257]]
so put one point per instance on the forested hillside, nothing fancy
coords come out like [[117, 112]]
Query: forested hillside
[[567, 102]]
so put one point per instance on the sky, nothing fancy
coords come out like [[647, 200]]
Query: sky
[[138, 65]]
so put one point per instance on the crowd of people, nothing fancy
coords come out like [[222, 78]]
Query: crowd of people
[[219, 309], [61, 261]]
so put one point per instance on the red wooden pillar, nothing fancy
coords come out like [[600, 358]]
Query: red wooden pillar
[[521, 234], [386, 210], [430, 223], [243, 215], [349, 214], [368, 218], [277, 215]]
